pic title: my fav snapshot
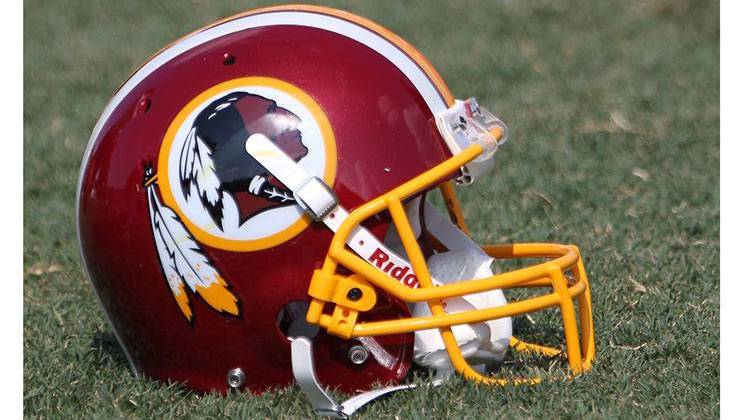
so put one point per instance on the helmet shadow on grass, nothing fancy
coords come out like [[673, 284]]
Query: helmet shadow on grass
[[105, 345]]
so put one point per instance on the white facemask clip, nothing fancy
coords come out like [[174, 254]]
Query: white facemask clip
[[467, 123]]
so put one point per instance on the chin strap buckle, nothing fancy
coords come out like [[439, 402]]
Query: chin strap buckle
[[316, 198], [322, 402], [310, 192]]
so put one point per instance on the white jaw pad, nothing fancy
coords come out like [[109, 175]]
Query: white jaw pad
[[481, 343], [476, 264]]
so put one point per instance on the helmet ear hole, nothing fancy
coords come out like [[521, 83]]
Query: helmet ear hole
[[292, 323]]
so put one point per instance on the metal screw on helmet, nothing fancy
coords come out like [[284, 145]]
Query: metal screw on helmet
[[354, 294], [358, 354], [236, 378]]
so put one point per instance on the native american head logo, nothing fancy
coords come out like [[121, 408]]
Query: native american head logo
[[213, 160], [208, 191]]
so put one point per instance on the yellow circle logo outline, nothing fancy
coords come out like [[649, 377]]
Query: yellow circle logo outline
[[285, 234]]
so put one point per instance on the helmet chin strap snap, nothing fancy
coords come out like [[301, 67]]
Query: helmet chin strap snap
[[310, 192], [324, 405]]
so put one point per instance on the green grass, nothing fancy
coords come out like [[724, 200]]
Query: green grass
[[614, 112]]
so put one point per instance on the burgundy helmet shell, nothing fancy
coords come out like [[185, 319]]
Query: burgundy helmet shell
[[348, 98], [214, 224]]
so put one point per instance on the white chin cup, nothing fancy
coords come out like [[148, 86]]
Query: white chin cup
[[483, 344]]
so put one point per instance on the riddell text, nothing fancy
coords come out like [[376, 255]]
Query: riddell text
[[404, 274]]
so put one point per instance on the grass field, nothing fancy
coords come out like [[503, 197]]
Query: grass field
[[614, 112]]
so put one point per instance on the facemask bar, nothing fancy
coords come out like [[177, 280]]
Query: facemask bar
[[507, 252], [467, 123], [565, 288]]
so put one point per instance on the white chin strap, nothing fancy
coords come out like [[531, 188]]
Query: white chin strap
[[483, 344]]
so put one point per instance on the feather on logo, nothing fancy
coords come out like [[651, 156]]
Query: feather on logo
[[198, 168], [183, 261]]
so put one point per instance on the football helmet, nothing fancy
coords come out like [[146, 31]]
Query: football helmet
[[253, 199]]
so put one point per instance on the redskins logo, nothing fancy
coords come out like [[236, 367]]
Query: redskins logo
[[214, 193]]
